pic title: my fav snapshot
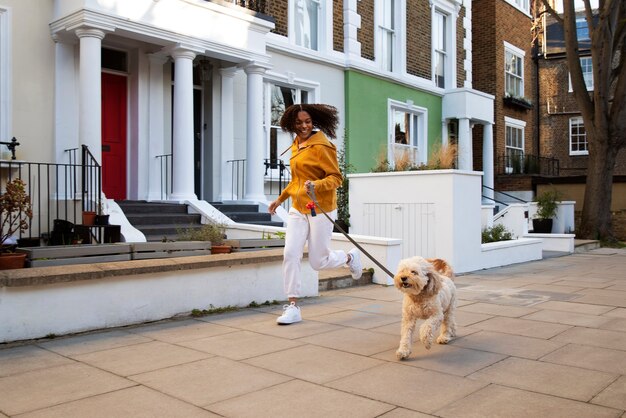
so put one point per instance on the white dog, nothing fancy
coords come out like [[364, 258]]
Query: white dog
[[430, 294]]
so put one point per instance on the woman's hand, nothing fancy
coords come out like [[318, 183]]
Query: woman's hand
[[309, 185], [272, 207]]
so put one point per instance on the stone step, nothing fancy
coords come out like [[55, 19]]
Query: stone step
[[140, 207], [582, 245], [340, 279], [182, 219]]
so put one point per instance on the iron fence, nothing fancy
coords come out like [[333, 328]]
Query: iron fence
[[526, 164]]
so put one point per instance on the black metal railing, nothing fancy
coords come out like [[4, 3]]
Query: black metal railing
[[277, 176], [259, 6], [526, 164], [165, 164], [11, 145], [55, 191]]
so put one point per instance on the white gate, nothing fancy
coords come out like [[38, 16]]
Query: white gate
[[414, 223]]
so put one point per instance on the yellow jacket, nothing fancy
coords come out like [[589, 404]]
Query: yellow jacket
[[315, 161]]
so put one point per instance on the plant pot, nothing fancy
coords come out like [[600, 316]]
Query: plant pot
[[102, 219], [343, 226], [220, 249], [542, 226], [89, 217], [29, 242], [10, 261]]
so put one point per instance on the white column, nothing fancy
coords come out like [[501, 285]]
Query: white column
[[465, 145], [351, 25], [65, 101], [488, 160], [156, 112], [182, 148], [255, 143], [227, 136], [445, 135], [90, 91]]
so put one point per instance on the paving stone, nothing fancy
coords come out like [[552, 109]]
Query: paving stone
[[294, 331], [569, 318], [588, 357], [498, 401], [464, 319], [522, 327], [604, 284], [512, 345], [240, 345], [208, 381], [380, 307], [236, 319], [98, 341], [376, 292], [446, 359], [498, 310], [593, 337], [177, 331], [356, 341], [135, 402], [301, 399], [575, 307], [557, 289], [42, 388], [314, 364], [139, 358], [614, 396], [617, 324], [25, 358], [412, 388], [404, 413], [357, 319], [615, 300], [616, 313], [548, 378]]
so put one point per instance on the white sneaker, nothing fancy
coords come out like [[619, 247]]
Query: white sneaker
[[291, 314], [356, 270]]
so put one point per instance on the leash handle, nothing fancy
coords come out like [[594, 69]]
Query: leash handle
[[311, 194]]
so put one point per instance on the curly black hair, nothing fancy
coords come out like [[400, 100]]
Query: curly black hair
[[325, 117]]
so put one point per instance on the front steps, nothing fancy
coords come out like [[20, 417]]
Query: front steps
[[159, 221], [245, 213]]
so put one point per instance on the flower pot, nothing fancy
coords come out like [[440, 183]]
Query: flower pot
[[10, 261], [220, 249], [102, 219], [343, 226], [89, 217], [542, 226]]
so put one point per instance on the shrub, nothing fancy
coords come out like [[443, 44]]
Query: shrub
[[495, 234], [547, 204]]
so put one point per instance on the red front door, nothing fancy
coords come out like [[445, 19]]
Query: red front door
[[114, 136]]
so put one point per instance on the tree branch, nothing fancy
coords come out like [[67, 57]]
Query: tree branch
[[553, 13]]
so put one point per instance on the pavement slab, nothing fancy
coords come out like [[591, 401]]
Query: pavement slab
[[208, 381], [613, 396], [588, 357], [303, 399], [593, 337], [25, 358], [499, 401], [569, 318], [547, 378], [575, 307], [404, 413], [43, 388], [524, 327], [314, 364], [497, 310], [177, 331], [96, 341], [355, 341], [512, 345]]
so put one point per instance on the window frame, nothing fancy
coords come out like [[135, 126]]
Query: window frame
[[444, 8], [271, 79], [518, 125], [581, 124], [5, 75], [396, 53], [324, 37], [579, 27], [521, 55], [420, 116], [583, 67], [521, 5]]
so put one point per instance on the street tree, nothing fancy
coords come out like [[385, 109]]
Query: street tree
[[603, 110]]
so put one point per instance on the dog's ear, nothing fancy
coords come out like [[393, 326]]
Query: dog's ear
[[434, 283]]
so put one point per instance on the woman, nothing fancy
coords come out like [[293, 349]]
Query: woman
[[314, 167]]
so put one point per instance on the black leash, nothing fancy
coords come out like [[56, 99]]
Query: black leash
[[314, 200]]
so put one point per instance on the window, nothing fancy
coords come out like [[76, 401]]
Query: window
[[523, 5], [582, 30], [307, 18], [387, 29], [280, 98], [586, 66], [513, 71], [407, 133], [577, 137], [514, 148], [440, 48], [5, 78]]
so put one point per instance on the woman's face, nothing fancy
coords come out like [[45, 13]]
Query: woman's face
[[304, 125]]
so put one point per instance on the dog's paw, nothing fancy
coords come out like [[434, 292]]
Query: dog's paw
[[403, 353], [443, 339]]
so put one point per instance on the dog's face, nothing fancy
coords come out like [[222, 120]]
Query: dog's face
[[416, 276]]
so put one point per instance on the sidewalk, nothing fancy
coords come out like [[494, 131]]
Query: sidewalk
[[539, 339]]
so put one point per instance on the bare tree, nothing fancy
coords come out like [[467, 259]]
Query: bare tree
[[604, 110]]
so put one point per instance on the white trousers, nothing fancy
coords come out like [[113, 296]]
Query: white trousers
[[318, 231]]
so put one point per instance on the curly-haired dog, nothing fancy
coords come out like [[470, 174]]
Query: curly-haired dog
[[430, 294]]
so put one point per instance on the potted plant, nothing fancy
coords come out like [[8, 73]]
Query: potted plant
[[101, 217], [15, 215], [213, 232], [547, 205]]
